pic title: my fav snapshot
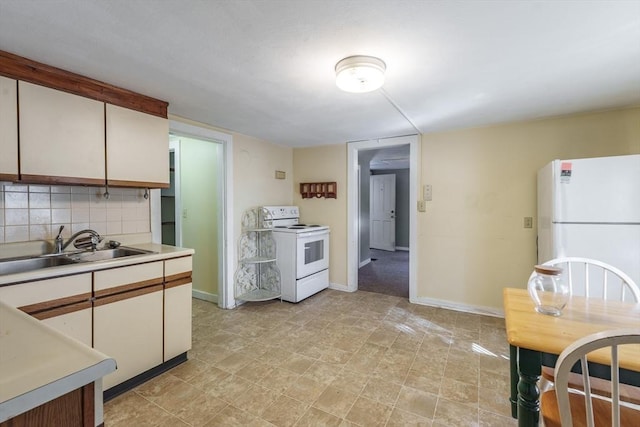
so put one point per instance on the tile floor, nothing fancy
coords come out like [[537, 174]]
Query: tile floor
[[335, 359]]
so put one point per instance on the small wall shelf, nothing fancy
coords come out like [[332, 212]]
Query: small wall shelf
[[328, 190]]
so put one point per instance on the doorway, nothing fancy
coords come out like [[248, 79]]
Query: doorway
[[202, 207], [358, 226], [384, 264]]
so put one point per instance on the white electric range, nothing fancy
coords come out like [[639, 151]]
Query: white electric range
[[302, 253]]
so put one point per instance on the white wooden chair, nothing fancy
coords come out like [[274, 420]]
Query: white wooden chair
[[565, 408], [595, 279]]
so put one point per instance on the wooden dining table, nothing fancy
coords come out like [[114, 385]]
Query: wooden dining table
[[530, 334]]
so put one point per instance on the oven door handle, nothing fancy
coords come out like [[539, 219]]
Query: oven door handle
[[313, 234]]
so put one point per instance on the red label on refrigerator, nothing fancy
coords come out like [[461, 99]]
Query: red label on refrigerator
[[565, 172]]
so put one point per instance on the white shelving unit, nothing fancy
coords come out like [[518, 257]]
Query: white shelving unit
[[257, 277]]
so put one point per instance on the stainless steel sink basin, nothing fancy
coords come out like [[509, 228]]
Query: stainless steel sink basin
[[20, 265], [106, 254]]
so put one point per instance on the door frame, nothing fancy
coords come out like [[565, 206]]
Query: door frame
[[225, 215], [353, 197]]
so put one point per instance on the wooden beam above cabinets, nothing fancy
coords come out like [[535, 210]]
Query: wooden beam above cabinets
[[19, 68]]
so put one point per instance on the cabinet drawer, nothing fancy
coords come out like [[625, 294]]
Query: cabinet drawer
[[66, 288], [127, 278], [177, 265]]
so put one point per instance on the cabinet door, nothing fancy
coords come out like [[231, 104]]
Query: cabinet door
[[127, 318], [8, 129], [62, 303], [76, 324], [130, 331], [177, 307], [137, 148], [61, 136]]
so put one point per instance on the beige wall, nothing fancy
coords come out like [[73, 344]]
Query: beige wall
[[471, 239], [325, 163], [255, 162]]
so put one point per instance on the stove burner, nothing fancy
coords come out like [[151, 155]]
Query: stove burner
[[314, 225], [295, 227], [280, 226], [302, 225]]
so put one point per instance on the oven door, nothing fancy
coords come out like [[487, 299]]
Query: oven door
[[312, 253]]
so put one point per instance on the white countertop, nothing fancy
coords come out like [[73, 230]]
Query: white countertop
[[38, 363], [161, 252]]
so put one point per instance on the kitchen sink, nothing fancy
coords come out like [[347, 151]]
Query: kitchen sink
[[21, 265], [106, 254]]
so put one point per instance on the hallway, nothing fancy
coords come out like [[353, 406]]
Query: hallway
[[387, 273]]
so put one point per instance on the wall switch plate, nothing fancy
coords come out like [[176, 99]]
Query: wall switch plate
[[427, 192], [528, 222], [184, 213], [422, 206], [281, 175]]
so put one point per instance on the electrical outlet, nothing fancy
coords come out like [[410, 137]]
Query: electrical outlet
[[422, 206], [528, 222], [184, 213]]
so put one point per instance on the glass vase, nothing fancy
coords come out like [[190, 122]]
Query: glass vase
[[548, 290]]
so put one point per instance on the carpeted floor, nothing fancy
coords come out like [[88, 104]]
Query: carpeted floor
[[388, 274]]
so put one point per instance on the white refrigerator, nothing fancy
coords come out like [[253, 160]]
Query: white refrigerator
[[591, 208]]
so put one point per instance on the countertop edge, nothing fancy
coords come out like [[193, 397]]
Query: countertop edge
[[34, 398], [162, 252], [84, 366]]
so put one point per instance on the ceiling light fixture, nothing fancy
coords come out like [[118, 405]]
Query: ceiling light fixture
[[359, 74]]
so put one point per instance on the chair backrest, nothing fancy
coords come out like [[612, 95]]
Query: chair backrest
[[593, 278], [578, 351]]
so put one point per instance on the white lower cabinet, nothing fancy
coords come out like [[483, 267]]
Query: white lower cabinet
[[140, 314], [177, 307], [76, 324], [64, 303], [127, 318]]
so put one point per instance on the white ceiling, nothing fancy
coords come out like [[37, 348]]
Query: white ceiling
[[266, 68]]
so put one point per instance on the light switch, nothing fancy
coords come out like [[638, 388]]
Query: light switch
[[422, 206], [427, 192], [184, 213]]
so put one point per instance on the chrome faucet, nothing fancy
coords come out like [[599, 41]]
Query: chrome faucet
[[92, 241]]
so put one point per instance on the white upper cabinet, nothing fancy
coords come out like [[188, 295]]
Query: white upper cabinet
[[61, 136], [137, 148], [8, 129]]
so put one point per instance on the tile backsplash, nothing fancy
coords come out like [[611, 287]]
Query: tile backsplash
[[36, 212]]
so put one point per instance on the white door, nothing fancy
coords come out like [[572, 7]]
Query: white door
[[382, 212]]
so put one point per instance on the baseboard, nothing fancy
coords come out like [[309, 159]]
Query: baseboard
[[339, 287], [402, 248], [206, 296], [365, 262], [132, 383], [450, 305]]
